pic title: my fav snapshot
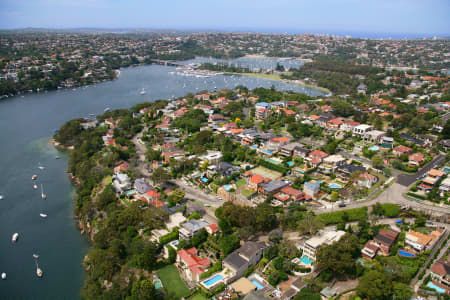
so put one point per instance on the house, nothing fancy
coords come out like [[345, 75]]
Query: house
[[191, 265], [175, 220], [328, 293], [381, 244], [212, 157], [320, 155], [311, 246], [421, 242], [142, 186], [416, 159], [191, 228], [412, 139], [387, 142], [243, 286], [445, 144], [440, 274], [367, 180], [290, 149], [345, 171], [361, 89], [288, 193], [312, 188], [295, 287], [374, 136], [151, 195], [122, 168], [432, 178], [271, 187], [401, 150], [445, 185], [348, 126], [212, 229], [276, 143], [255, 181], [362, 129], [330, 163], [121, 182], [226, 169], [241, 259]]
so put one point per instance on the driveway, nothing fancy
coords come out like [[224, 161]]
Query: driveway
[[407, 180]]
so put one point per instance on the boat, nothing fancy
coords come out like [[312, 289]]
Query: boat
[[14, 238], [1, 197], [41, 167], [57, 157], [42, 192], [34, 177], [36, 256], [39, 272], [143, 92], [3, 276], [106, 109], [35, 186], [43, 215]]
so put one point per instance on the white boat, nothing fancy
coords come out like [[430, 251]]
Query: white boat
[[106, 109], [36, 256], [43, 215], [3, 276], [143, 92], [39, 272], [40, 167], [34, 177], [14, 238], [35, 186], [42, 192], [57, 157], [1, 197]]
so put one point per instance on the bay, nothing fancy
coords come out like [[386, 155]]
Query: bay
[[26, 126]]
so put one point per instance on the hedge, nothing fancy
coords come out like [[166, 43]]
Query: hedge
[[354, 214], [215, 268], [416, 196], [169, 237]]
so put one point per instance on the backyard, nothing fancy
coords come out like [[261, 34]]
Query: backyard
[[172, 282]]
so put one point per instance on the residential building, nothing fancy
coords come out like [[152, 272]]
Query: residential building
[[348, 126], [289, 149], [416, 159], [330, 163], [226, 169], [241, 259], [381, 244], [367, 180], [142, 186], [445, 185], [440, 274], [312, 188], [421, 242], [121, 182], [311, 246], [401, 150], [191, 228], [362, 129], [271, 187], [288, 193], [255, 181], [432, 178], [387, 142], [345, 171], [191, 265], [374, 136], [212, 157]]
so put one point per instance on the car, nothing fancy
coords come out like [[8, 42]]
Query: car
[[342, 205]]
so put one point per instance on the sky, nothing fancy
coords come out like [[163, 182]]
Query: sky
[[353, 17]]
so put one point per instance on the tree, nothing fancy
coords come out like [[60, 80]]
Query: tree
[[339, 257], [228, 243], [334, 196], [160, 176], [377, 161], [309, 224], [375, 285], [402, 291], [143, 289]]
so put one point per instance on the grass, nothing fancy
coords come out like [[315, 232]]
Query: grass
[[107, 180], [172, 282], [354, 214], [247, 193], [266, 173], [198, 297], [241, 182]]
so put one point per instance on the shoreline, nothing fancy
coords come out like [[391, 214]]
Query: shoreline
[[278, 78], [277, 57]]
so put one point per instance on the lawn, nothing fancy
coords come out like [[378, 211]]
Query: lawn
[[247, 193], [198, 297], [172, 282], [241, 182]]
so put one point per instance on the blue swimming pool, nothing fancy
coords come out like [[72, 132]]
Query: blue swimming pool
[[213, 280], [158, 285], [204, 179], [406, 254], [130, 192], [227, 187], [334, 186], [306, 260], [290, 163], [374, 148], [435, 287], [258, 285]]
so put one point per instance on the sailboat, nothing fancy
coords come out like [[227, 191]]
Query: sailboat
[[42, 192], [39, 272], [143, 92], [41, 167]]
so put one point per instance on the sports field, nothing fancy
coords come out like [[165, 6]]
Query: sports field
[[266, 173]]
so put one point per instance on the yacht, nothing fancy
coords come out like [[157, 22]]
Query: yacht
[[35, 186], [34, 177], [143, 92], [106, 109], [36, 256], [42, 192], [1, 197], [15, 237], [3, 276], [39, 272], [41, 167], [43, 215]]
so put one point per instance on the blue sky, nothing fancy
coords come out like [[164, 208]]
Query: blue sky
[[418, 17]]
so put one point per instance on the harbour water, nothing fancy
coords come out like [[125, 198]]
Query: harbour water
[[26, 126]]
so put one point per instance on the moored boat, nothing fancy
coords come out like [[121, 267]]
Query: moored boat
[[14, 238]]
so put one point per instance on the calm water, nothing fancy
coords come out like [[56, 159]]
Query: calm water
[[26, 126]]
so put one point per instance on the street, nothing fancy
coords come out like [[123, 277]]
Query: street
[[407, 180]]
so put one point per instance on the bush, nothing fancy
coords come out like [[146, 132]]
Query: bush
[[169, 237], [268, 165]]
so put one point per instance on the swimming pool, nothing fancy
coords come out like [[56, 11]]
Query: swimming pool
[[227, 187], [258, 285], [130, 192], [406, 254], [374, 148], [213, 280], [435, 287], [204, 179], [306, 260], [334, 186], [158, 284]]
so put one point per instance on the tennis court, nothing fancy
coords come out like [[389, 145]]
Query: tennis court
[[266, 173]]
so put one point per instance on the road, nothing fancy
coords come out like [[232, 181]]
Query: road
[[197, 194], [141, 149], [407, 180]]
